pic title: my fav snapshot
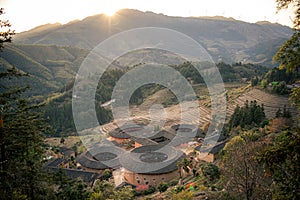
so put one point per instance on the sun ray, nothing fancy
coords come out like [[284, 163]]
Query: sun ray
[[110, 11]]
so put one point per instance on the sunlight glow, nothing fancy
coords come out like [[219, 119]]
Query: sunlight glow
[[25, 15], [110, 12]]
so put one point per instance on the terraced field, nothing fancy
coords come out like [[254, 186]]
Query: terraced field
[[196, 112], [271, 102]]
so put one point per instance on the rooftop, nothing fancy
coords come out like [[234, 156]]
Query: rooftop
[[101, 157], [87, 177], [126, 131], [152, 159], [56, 162], [211, 149], [214, 137], [187, 130], [162, 136], [143, 141]]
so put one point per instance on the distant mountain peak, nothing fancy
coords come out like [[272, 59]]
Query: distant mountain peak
[[226, 39], [44, 27]]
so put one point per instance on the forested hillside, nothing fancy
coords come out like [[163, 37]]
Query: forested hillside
[[226, 39], [59, 110], [50, 67]]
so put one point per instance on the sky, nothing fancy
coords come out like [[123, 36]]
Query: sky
[[27, 14]]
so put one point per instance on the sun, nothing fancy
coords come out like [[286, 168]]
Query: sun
[[110, 11]]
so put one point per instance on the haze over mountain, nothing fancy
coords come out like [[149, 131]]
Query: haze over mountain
[[225, 39], [52, 53]]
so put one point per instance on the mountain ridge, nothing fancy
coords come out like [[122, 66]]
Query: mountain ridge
[[223, 37]]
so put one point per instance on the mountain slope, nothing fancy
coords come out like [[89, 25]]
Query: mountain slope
[[50, 67], [224, 38]]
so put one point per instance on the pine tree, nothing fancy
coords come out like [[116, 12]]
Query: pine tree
[[21, 147]]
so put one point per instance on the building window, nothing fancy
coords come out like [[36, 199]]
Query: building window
[[137, 177], [145, 179], [146, 182], [138, 181], [162, 178]]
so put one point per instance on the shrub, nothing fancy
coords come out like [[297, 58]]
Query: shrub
[[162, 187]]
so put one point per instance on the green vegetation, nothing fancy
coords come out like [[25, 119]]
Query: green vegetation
[[259, 161], [162, 187], [285, 113], [288, 54], [276, 80], [279, 75], [67, 188], [281, 158], [104, 190], [21, 147], [250, 115], [107, 174], [210, 171], [279, 88], [51, 68], [230, 73], [238, 71], [243, 176], [183, 195], [5, 36], [58, 111]]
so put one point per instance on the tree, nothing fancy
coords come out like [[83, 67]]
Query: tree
[[162, 187], [295, 97], [6, 35], [248, 115], [62, 140], [288, 56], [254, 81], [179, 166], [104, 190], [264, 84], [183, 195], [186, 164], [242, 174], [107, 174], [210, 171], [279, 124], [97, 195], [282, 4], [21, 139], [280, 88], [125, 193], [69, 189], [21, 143], [281, 159]]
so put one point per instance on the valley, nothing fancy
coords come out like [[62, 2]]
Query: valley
[[65, 132]]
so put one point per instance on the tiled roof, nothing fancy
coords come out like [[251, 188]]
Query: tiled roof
[[101, 157], [163, 133], [65, 151], [126, 131], [213, 150], [143, 141], [188, 130], [152, 159], [56, 162], [213, 137], [185, 133], [87, 177]]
